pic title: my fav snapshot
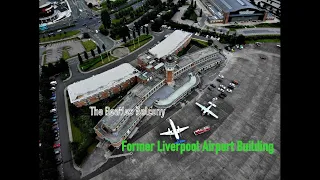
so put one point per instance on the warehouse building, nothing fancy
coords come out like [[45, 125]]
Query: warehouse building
[[103, 85], [225, 11]]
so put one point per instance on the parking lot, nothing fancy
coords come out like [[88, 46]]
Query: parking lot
[[56, 130], [250, 112]]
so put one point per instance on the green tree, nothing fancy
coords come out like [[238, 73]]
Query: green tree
[[143, 29], [138, 31], [86, 55], [92, 53], [134, 34], [241, 39], [105, 18], [80, 58], [99, 50]]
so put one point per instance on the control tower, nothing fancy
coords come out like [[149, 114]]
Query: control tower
[[169, 66]]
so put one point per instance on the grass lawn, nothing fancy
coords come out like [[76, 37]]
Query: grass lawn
[[65, 53], [115, 21], [263, 40], [132, 47], [92, 146], [59, 36], [88, 45], [76, 133], [96, 62], [205, 43]]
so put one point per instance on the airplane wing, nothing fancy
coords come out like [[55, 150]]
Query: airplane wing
[[168, 133], [212, 114], [202, 107], [179, 130]]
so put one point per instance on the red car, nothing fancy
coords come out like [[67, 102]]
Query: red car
[[56, 145], [235, 82], [201, 130]]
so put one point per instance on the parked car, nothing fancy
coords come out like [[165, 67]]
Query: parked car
[[221, 96], [222, 86], [235, 82], [231, 84], [56, 135], [56, 138], [220, 89], [212, 85], [59, 162], [229, 90], [221, 76], [57, 152], [56, 145], [55, 116], [219, 80], [54, 120], [230, 87]]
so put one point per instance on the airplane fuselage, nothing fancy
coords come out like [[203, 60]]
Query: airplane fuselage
[[174, 129]]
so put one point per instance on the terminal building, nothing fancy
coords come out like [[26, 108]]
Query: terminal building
[[162, 86], [225, 11], [103, 85]]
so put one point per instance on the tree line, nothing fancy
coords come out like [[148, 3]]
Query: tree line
[[47, 164]]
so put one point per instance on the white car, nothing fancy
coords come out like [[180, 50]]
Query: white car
[[221, 76], [229, 90], [207, 36], [53, 110], [214, 99], [59, 30], [222, 86], [237, 46], [211, 37], [220, 89], [233, 85]]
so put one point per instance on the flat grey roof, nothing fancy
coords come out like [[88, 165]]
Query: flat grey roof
[[170, 99], [233, 5]]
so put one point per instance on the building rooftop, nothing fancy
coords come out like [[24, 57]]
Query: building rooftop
[[129, 102], [176, 94], [232, 5], [189, 58], [43, 3], [170, 44], [106, 80]]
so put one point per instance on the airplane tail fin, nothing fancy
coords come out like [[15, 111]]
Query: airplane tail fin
[[179, 141]]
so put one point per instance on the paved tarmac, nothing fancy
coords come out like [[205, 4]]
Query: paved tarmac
[[250, 112]]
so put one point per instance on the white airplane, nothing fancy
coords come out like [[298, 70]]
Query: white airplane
[[175, 131], [207, 109]]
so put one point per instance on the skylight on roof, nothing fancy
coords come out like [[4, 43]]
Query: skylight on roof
[[240, 2], [226, 4]]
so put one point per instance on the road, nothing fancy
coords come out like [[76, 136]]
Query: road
[[258, 31]]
